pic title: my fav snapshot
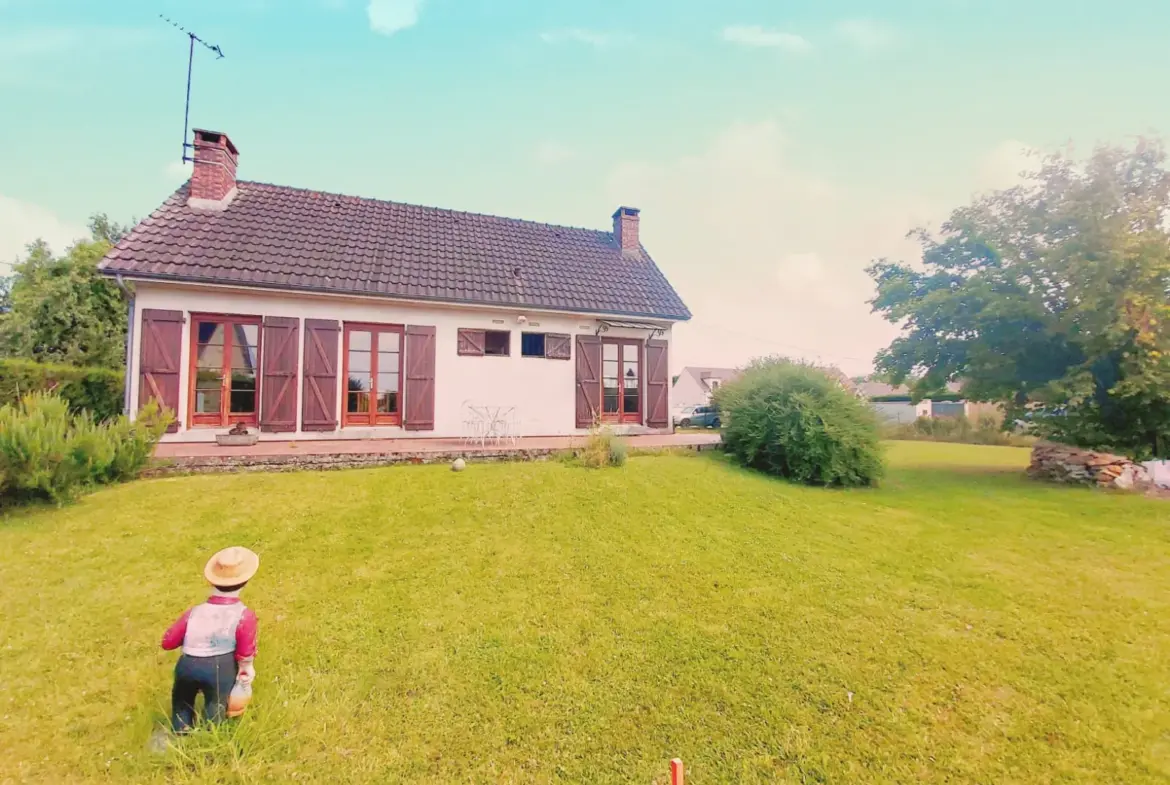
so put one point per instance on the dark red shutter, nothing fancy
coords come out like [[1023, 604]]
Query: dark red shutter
[[557, 346], [657, 385], [160, 350], [588, 380], [278, 387], [319, 394], [420, 379], [470, 342]]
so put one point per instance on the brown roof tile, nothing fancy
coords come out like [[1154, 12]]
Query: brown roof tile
[[279, 237]]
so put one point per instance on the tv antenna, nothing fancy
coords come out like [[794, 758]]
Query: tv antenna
[[190, 61]]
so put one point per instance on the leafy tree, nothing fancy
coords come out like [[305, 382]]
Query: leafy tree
[[61, 309], [102, 228], [1052, 298]]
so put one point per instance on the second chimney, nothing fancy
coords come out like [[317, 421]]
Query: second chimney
[[625, 229], [213, 180]]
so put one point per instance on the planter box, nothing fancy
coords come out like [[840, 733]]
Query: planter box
[[236, 440]]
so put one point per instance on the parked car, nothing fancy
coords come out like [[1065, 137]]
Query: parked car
[[698, 417]]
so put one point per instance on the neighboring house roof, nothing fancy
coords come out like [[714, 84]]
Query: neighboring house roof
[[881, 389], [704, 375], [287, 238]]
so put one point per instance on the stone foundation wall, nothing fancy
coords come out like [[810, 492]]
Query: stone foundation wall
[[1077, 466], [294, 463]]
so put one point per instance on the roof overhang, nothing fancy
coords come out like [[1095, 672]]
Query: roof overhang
[[604, 325]]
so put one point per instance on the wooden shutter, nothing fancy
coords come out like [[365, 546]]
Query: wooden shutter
[[419, 411], [588, 380], [471, 342], [657, 385], [160, 352], [319, 393], [278, 387], [557, 346]]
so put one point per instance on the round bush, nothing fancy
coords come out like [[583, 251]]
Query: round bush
[[793, 420]]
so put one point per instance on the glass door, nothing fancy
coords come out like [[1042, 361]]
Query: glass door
[[225, 369], [621, 380]]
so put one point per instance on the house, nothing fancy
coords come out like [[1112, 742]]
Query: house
[[312, 315], [895, 404], [695, 385]]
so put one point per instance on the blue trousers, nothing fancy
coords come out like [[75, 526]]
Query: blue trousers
[[213, 676]]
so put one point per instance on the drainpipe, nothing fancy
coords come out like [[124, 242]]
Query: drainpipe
[[129, 343]]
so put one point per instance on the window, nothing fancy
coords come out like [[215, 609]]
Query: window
[[477, 343], [714, 384], [373, 374], [621, 380], [554, 346], [225, 368], [497, 343], [532, 344]]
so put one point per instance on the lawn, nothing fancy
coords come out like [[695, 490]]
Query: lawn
[[545, 623]]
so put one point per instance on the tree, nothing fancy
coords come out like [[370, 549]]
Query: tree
[[61, 309], [1051, 298]]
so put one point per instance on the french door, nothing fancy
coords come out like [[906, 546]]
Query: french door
[[224, 372], [373, 374], [621, 380]]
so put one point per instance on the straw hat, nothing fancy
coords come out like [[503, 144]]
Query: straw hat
[[231, 566]]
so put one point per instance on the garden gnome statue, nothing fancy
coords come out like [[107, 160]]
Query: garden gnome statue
[[218, 639]]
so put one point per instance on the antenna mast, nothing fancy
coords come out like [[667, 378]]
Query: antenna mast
[[190, 62]]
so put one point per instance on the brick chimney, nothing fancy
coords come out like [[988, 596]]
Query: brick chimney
[[625, 229], [213, 181]]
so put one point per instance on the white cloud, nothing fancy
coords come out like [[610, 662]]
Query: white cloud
[[1003, 166], [599, 39], [867, 35], [756, 36], [550, 153], [389, 16], [21, 223], [770, 257]]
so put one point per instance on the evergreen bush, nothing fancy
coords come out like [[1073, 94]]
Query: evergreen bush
[[793, 420], [48, 453]]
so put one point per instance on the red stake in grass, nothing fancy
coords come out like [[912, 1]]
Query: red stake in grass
[[676, 772]]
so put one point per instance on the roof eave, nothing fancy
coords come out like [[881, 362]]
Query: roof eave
[[197, 280]]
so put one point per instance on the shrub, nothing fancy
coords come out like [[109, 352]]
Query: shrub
[[603, 449], [96, 390], [47, 453], [793, 420], [987, 429]]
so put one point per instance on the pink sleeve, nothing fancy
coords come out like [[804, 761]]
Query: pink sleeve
[[173, 637], [246, 635]]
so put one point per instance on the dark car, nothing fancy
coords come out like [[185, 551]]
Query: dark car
[[698, 417]]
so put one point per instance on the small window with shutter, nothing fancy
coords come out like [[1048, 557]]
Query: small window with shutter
[[481, 343], [553, 346]]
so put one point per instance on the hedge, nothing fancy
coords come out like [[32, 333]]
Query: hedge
[[96, 390]]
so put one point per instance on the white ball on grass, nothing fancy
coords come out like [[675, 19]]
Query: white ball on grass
[[458, 465]]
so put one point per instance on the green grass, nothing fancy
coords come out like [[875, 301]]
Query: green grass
[[548, 623]]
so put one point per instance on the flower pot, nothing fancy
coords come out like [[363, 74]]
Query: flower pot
[[236, 439]]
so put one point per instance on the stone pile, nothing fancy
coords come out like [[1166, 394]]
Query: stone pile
[[1074, 465]]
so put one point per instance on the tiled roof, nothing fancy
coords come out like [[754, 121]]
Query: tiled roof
[[288, 238]]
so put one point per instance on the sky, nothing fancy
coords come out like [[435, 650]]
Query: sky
[[775, 149]]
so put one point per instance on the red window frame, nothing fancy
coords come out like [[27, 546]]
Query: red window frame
[[621, 415], [224, 417], [373, 416]]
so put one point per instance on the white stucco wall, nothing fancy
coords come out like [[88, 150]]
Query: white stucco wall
[[542, 390], [688, 392]]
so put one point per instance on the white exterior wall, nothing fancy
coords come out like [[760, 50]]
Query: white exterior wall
[[688, 392], [542, 390]]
